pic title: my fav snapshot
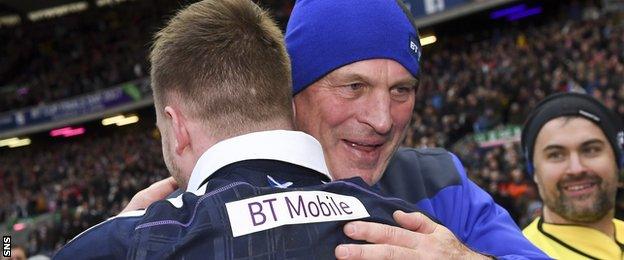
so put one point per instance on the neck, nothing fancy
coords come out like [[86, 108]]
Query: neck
[[250, 127], [604, 225]]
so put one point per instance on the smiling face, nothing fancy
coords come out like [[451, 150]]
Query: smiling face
[[575, 170], [359, 113]]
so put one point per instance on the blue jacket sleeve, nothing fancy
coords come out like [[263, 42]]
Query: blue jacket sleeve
[[107, 240], [485, 226], [438, 184]]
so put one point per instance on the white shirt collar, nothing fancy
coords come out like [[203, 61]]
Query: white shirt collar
[[288, 146]]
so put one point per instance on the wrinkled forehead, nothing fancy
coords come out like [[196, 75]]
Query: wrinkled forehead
[[373, 71]]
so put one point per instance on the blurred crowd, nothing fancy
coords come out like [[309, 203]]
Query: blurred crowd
[[80, 182], [467, 86], [58, 58]]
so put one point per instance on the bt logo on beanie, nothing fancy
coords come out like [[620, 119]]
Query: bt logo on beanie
[[414, 46]]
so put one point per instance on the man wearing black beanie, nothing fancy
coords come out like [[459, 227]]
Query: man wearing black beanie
[[573, 149]]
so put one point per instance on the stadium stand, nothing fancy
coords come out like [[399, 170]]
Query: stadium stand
[[79, 183], [471, 84], [54, 59]]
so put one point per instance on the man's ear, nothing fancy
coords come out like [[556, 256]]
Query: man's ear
[[180, 129], [535, 179], [294, 114]]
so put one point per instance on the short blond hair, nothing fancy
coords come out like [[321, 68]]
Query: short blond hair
[[226, 61]]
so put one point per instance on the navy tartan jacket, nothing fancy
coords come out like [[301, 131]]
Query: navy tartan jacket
[[197, 226], [201, 223]]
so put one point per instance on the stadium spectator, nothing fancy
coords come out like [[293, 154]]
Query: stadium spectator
[[573, 145]]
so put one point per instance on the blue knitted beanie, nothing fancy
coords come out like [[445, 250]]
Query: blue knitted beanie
[[324, 35]]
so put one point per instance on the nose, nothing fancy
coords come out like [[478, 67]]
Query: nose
[[376, 113], [575, 165]]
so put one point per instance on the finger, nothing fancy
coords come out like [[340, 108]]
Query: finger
[[155, 192], [382, 234], [415, 221], [135, 204], [373, 251], [160, 189]]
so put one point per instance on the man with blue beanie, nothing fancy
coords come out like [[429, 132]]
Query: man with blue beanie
[[355, 70]]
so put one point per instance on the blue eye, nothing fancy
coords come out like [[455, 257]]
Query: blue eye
[[355, 86], [402, 93], [351, 90], [402, 90]]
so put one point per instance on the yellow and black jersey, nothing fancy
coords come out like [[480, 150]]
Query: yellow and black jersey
[[562, 241]]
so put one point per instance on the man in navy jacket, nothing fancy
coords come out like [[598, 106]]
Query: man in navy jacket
[[355, 71], [253, 187], [263, 194]]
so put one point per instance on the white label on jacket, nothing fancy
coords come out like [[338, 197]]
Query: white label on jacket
[[294, 207]]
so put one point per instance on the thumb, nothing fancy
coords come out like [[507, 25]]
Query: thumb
[[415, 221]]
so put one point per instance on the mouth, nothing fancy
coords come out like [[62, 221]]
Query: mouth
[[579, 188], [366, 147]]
